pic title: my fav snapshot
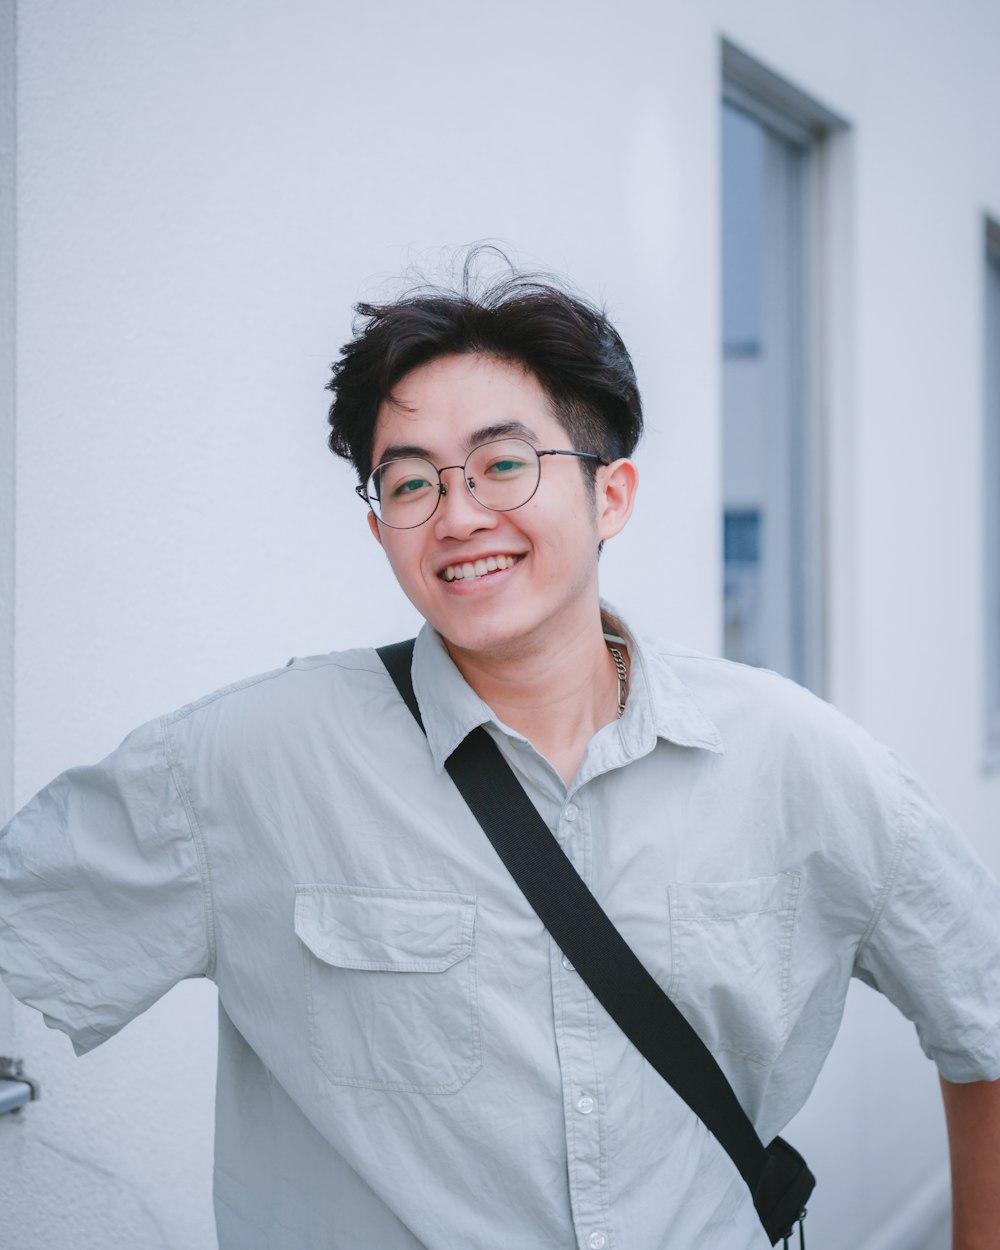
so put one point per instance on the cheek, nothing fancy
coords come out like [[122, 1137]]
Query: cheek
[[398, 562], [404, 558]]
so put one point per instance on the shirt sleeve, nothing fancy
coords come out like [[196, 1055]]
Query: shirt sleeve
[[933, 947], [104, 898]]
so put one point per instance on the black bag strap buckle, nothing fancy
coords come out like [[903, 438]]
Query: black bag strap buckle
[[782, 1191]]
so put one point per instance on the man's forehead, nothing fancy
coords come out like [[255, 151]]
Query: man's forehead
[[398, 447], [458, 402]]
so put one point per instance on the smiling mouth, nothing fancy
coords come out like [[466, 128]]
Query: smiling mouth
[[470, 570]]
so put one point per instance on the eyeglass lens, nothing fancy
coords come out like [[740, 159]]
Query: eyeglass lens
[[500, 475]]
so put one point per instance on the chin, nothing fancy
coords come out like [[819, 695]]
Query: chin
[[501, 642]]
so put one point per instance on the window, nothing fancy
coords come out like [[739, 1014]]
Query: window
[[992, 492], [773, 488]]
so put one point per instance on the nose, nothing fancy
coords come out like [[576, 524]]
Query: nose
[[458, 515]]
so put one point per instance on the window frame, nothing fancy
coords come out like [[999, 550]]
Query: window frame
[[801, 121], [991, 493]]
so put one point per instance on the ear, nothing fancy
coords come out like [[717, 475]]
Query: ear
[[616, 486], [373, 526]]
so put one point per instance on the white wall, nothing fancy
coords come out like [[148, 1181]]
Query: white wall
[[7, 449], [204, 189]]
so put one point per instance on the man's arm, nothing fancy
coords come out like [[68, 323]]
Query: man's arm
[[973, 1115]]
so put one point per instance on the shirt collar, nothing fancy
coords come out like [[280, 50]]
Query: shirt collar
[[659, 705], [450, 708]]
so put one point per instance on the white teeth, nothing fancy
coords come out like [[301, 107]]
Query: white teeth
[[469, 570]]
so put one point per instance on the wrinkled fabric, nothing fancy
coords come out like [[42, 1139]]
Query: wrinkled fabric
[[406, 1061]]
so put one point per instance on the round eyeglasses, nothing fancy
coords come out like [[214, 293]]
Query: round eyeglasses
[[501, 475]]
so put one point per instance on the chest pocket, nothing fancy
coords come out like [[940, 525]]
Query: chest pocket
[[731, 951], [390, 986]]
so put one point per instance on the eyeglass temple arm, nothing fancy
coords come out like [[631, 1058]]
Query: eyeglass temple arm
[[584, 455]]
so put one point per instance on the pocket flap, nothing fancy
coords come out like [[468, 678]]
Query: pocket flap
[[384, 930], [731, 900]]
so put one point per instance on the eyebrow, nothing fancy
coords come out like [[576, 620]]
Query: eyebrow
[[485, 434], [504, 429], [403, 451]]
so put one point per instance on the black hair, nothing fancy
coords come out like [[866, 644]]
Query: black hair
[[567, 343]]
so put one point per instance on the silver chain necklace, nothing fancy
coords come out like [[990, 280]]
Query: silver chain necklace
[[622, 672]]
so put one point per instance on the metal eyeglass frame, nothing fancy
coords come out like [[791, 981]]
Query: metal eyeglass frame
[[442, 486]]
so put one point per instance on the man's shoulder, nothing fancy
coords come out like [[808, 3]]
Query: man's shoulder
[[322, 680], [713, 675], [747, 702], [777, 736]]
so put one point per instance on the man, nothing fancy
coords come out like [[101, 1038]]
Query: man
[[406, 1059]]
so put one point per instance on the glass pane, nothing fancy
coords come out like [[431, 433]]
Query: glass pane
[[764, 417], [742, 233]]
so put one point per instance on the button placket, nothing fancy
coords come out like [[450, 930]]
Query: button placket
[[576, 1041]]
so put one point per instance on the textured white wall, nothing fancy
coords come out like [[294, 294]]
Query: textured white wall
[[7, 293], [204, 189]]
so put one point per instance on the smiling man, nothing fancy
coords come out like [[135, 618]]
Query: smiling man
[[498, 549], [407, 1060]]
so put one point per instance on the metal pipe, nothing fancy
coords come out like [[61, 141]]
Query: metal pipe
[[13, 1094]]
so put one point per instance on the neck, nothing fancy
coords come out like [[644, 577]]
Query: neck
[[558, 694]]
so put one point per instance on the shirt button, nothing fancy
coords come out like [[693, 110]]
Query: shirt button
[[571, 812], [597, 1240], [585, 1104], [567, 965]]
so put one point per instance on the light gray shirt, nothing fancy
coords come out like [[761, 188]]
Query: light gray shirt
[[406, 1060]]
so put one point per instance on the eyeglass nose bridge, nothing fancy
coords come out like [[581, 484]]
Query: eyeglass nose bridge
[[470, 483]]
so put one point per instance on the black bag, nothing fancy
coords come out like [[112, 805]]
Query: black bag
[[777, 1175]]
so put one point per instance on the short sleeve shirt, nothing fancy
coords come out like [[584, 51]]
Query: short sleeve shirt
[[406, 1059]]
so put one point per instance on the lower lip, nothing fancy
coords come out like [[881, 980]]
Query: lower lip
[[479, 585]]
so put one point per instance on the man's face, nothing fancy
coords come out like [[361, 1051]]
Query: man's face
[[444, 409]]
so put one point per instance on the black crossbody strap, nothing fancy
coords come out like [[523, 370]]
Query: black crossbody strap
[[777, 1176]]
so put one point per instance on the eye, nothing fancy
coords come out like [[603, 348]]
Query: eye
[[505, 466], [404, 479], [409, 486]]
